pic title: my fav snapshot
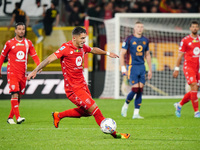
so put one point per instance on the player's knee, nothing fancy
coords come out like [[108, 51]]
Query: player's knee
[[135, 89]]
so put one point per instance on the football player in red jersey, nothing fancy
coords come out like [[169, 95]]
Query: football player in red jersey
[[190, 49], [71, 57], [17, 50]]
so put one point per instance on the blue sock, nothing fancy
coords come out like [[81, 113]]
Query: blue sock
[[130, 97], [138, 100]]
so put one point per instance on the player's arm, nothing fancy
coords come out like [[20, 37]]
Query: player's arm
[[43, 64], [12, 20], [122, 61], [27, 21], [96, 50], [178, 62], [148, 58]]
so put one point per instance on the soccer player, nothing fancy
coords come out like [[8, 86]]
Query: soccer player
[[138, 47], [17, 50], [71, 57], [190, 49]]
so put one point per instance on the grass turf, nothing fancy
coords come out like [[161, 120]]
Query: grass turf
[[159, 130]]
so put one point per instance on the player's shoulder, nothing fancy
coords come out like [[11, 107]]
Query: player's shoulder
[[10, 41], [130, 37], [186, 38]]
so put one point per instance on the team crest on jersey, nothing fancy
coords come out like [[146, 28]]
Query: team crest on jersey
[[76, 50], [62, 48], [196, 51], [144, 43], [19, 44], [79, 61], [20, 55], [134, 43]]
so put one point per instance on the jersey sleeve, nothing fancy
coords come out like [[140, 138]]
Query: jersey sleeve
[[125, 44], [61, 51], [182, 46], [4, 54], [86, 48], [33, 53]]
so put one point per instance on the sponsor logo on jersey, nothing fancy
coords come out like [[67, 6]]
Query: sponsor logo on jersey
[[20, 55], [79, 61], [134, 43], [19, 44], [139, 50], [77, 50], [195, 41], [62, 48]]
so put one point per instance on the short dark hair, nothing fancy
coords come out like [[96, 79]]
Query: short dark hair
[[18, 5], [19, 23], [194, 22], [78, 31]]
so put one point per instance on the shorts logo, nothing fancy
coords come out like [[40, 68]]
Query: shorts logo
[[78, 61], [88, 101], [196, 51], [12, 87], [20, 55], [23, 90]]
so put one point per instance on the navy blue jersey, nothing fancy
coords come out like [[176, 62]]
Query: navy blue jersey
[[137, 48]]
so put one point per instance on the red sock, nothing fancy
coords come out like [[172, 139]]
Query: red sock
[[15, 107], [185, 99], [73, 113], [11, 113], [98, 115], [194, 100]]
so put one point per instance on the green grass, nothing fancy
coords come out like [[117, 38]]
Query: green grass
[[160, 130]]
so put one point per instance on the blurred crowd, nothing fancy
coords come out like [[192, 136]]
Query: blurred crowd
[[75, 11]]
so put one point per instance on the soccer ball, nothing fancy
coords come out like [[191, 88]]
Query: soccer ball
[[108, 126]]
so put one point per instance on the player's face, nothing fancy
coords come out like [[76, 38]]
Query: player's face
[[194, 28], [80, 40], [20, 31], [138, 29]]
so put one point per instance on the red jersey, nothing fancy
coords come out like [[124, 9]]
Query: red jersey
[[71, 59], [17, 52], [191, 47]]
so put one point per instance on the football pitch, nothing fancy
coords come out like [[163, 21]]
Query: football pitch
[[160, 130]]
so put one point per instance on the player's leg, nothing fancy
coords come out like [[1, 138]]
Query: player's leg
[[138, 102], [133, 79], [138, 99], [194, 99]]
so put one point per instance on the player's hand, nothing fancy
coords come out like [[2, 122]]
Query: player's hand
[[175, 73], [31, 75], [149, 75], [113, 55]]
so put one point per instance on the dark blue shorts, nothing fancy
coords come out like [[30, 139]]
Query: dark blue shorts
[[136, 74]]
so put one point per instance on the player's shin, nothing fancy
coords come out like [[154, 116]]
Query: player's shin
[[194, 100], [15, 107], [98, 115], [185, 99]]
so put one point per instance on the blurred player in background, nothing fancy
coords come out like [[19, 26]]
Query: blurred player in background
[[138, 47], [19, 15], [71, 57], [190, 48], [17, 50]]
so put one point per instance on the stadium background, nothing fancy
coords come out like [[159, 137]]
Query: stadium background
[[97, 37]]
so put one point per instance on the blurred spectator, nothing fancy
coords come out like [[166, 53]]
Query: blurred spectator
[[50, 15], [189, 8], [19, 15], [168, 7], [154, 9], [122, 6], [108, 11], [76, 18]]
